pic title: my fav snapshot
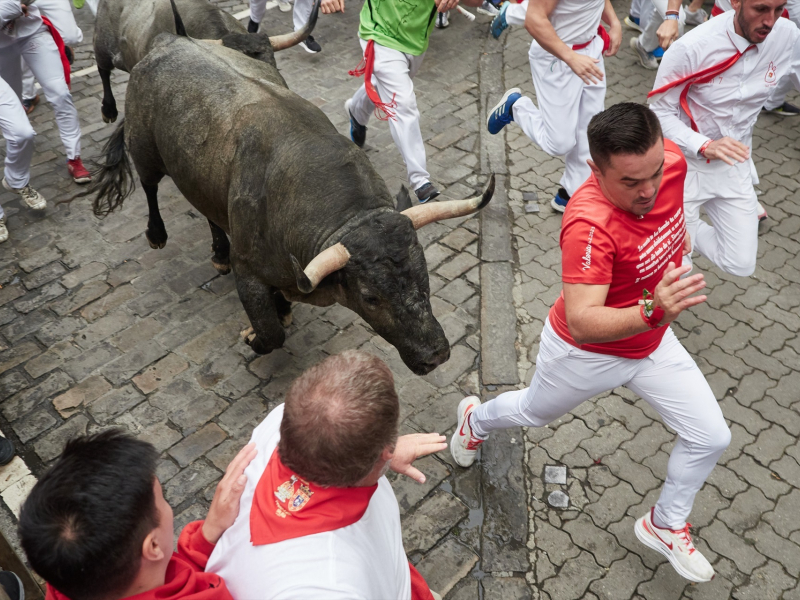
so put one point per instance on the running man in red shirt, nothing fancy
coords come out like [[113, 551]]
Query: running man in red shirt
[[622, 236], [96, 525]]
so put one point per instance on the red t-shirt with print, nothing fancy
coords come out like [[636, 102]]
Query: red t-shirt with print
[[605, 245]]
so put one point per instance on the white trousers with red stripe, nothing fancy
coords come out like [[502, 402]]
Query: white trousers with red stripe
[[566, 105], [392, 76], [668, 380], [40, 52], [300, 13], [727, 195], [19, 135], [60, 14]]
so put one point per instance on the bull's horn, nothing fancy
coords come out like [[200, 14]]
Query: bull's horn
[[212, 42], [287, 40], [431, 212], [323, 264]]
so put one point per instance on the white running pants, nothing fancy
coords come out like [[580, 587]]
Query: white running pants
[[60, 14], [19, 135], [40, 52], [668, 380], [658, 12], [566, 105], [392, 77], [729, 199]]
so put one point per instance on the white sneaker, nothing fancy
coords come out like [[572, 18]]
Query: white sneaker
[[696, 18], [442, 20], [463, 445], [631, 24], [762, 212], [3, 230], [284, 5], [646, 58], [487, 8], [677, 546], [32, 198]]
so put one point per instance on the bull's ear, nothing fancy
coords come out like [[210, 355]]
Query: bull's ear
[[403, 199], [303, 282]]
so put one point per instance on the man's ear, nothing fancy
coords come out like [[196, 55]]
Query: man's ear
[[387, 454], [151, 549], [595, 169]]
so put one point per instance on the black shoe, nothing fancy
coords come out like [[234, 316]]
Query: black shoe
[[7, 451], [311, 45], [252, 26], [12, 585], [358, 132], [426, 192], [70, 56], [559, 203]]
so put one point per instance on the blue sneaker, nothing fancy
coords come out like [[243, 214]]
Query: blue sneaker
[[658, 53], [500, 115], [499, 23], [358, 132], [559, 203]]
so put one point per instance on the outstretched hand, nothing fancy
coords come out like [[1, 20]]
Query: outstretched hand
[[411, 447], [225, 506], [674, 295]]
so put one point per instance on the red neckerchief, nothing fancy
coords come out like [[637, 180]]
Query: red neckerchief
[[285, 506], [60, 45], [703, 76], [383, 110]]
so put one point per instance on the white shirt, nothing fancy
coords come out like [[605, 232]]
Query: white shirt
[[730, 104], [362, 561], [13, 26], [576, 21]]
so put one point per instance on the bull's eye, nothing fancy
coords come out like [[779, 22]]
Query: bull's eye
[[372, 300]]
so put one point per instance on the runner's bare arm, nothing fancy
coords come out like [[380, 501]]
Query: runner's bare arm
[[538, 25], [614, 28], [669, 30], [591, 322]]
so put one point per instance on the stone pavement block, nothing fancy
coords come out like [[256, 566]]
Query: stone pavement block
[[189, 481], [431, 521], [735, 547], [43, 275], [574, 578], [161, 435], [666, 584], [197, 444], [504, 533], [409, 492], [438, 415], [498, 318], [778, 548], [52, 444], [78, 276], [17, 355], [766, 583], [87, 293], [83, 365], [114, 403], [758, 476], [160, 373], [142, 331], [602, 545], [445, 565], [770, 445], [606, 440], [621, 579], [28, 399], [612, 504], [461, 360], [745, 511], [243, 414], [784, 517], [33, 424], [566, 439], [51, 359], [508, 588]]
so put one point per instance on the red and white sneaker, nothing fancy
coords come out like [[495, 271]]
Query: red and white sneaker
[[677, 546], [464, 445], [78, 171], [762, 212]]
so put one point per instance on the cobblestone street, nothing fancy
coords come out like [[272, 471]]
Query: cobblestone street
[[98, 330]]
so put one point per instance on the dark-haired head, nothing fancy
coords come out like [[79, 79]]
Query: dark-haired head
[[96, 515], [627, 149]]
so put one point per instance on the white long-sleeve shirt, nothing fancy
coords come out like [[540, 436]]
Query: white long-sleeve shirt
[[362, 561], [14, 26], [729, 105]]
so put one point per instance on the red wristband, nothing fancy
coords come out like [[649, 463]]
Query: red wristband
[[672, 12], [654, 319], [702, 150]]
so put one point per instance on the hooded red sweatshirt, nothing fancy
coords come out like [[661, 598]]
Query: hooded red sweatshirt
[[186, 578]]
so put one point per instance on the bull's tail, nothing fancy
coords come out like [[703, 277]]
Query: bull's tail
[[112, 180], [179, 28]]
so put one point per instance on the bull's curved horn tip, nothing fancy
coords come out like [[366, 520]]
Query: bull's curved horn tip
[[488, 192]]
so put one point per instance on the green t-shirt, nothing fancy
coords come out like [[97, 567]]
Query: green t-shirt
[[403, 25]]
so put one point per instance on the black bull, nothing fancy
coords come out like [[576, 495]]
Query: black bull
[[268, 169]]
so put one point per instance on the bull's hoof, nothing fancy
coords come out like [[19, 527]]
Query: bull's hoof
[[223, 268], [156, 241], [286, 320], [247, 334], [107, 118], [257, 344]]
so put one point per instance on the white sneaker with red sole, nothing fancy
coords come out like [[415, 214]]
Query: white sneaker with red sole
[[677, 547], [464, 445]]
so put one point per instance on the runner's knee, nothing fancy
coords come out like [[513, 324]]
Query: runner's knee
[[741, 266], [718, 437], [559, 143]]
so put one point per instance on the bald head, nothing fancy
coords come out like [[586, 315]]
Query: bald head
[[338, 418]]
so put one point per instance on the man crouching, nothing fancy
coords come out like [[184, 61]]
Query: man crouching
[[96, 526], [318, 518]]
